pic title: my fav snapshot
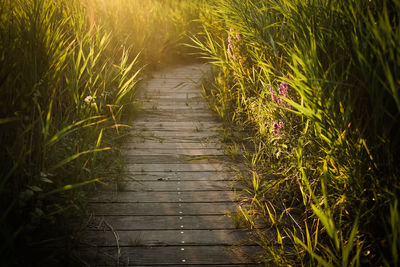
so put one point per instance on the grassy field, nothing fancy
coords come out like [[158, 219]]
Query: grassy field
[[68, 79], [317, 85], [314, 84]]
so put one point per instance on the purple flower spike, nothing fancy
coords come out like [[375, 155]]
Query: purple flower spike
[[284, 89], [274, 97], [275, 128], [271, 90]]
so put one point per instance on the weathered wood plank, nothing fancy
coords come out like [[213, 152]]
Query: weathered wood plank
[[163, 134], [173, 118], [175, 112], [174, 132], [196, 196], [157, 145], [172, 86], [170, 139], [164, 185], [173, 152], [176, 158], [179, 176], [157, 104], [166, 237], [173, 102], [126, 222], [207, 256], [169, 88], [163, 95], [176, 209], [179, 167], [177, 126]]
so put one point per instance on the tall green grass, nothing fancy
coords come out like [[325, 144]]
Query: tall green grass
[[155, 29], [317, 84], [68, 79]]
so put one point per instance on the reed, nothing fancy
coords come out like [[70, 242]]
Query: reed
[[68, 81], [314, 81]]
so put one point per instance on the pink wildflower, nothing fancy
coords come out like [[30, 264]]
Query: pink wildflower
[[277, 127], [232, 50], [228, 51], [274, 97], [231, 47], [284, 89]]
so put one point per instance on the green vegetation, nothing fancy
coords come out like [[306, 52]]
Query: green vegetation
[[68, 78], [316, 83]]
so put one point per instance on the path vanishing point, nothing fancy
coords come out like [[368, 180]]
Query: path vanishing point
[[171, 209]]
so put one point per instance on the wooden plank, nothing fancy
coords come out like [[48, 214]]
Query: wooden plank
[[170, 139], [166, 197], [176, 115], [166, 237], [196, 73], [126, 222], [156, 106], [163, 185], [178, 167], [163, 95], [190, 134], [143, 209], [173, 118], [175, 131], [158, 145], [173, 102], [206, 256], [179, 176], [178, 125], [176, 159], [182, 78], [177, 84], [171, 88], [175, 112], [173, 152], [189, 129]]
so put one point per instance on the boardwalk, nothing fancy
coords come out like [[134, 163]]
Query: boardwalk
[[171, 210]]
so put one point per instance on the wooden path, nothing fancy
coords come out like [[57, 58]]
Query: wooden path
[[171, 210]]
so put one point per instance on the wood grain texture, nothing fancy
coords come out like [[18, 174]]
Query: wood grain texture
[[174, 256], [154, 146], [163, 222], [157, 208], [165, 197], [179, 176], [166, 238], [168, 185]]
